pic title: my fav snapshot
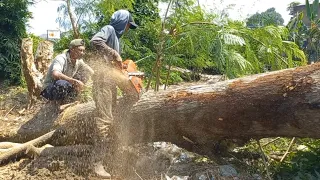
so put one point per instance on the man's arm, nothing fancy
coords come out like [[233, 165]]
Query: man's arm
[[107, 33], [115, 57], [84, 71], [76, 83], [57, 74]]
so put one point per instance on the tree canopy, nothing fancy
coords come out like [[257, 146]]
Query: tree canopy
[[267, 18]]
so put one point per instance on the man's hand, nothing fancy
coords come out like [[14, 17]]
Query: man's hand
[[78, 85], [118, 62]]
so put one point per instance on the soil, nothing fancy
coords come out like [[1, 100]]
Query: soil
[[159, 160]]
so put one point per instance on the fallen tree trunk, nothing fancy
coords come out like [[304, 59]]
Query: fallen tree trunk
[[281, 103]]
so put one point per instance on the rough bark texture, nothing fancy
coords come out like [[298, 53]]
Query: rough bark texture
[[281, 103], [43, 56], [31, 74]]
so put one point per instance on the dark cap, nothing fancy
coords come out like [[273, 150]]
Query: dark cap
[[133, 25], [76, 42]]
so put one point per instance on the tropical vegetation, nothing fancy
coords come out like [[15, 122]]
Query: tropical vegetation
[[14, 15], [189, 37]]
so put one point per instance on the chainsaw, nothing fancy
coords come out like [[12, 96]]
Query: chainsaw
[[130, 68]]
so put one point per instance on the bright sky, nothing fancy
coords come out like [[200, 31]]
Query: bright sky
[[45, 12]]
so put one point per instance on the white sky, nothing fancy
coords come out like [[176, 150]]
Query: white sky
[[45, 12]]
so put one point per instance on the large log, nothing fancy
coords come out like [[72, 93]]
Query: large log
[[280, 103]]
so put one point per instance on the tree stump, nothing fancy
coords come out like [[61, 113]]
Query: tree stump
[[31, 74], [44, 55]]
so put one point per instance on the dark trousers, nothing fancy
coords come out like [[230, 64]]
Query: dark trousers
[[59, 90]]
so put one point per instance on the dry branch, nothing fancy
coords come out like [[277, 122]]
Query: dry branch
[[288, 150], [16, 151]]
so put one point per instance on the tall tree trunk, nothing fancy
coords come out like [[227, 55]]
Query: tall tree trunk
[[76, 33], [44, 55], [31, 74]]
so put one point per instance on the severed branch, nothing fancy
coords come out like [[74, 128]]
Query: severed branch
[[270, 141], [7, 145], [16, 151], [49, 150]]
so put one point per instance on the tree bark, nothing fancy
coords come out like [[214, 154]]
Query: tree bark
[[281, 103], [31, 74], [43, 56]]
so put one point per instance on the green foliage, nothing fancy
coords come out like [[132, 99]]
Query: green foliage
[[292, 5], [190, 40], [236, 50], [302, 161], [312, 10], [105, 8], [140, 44], [276, 53], [36, 40], [13, 17], [297, 29], [63, 42], [85, 13], [267, 18], [306, 36]]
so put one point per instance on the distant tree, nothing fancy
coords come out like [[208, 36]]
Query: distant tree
[[76, 15], [267, 18], [13, 19], [292, 5]]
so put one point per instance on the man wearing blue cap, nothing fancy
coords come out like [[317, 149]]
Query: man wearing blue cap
[[107, 45]]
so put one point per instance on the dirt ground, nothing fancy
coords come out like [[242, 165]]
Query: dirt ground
[[158, 160]]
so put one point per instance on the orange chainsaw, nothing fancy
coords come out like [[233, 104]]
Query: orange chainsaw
[[130, 68]]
